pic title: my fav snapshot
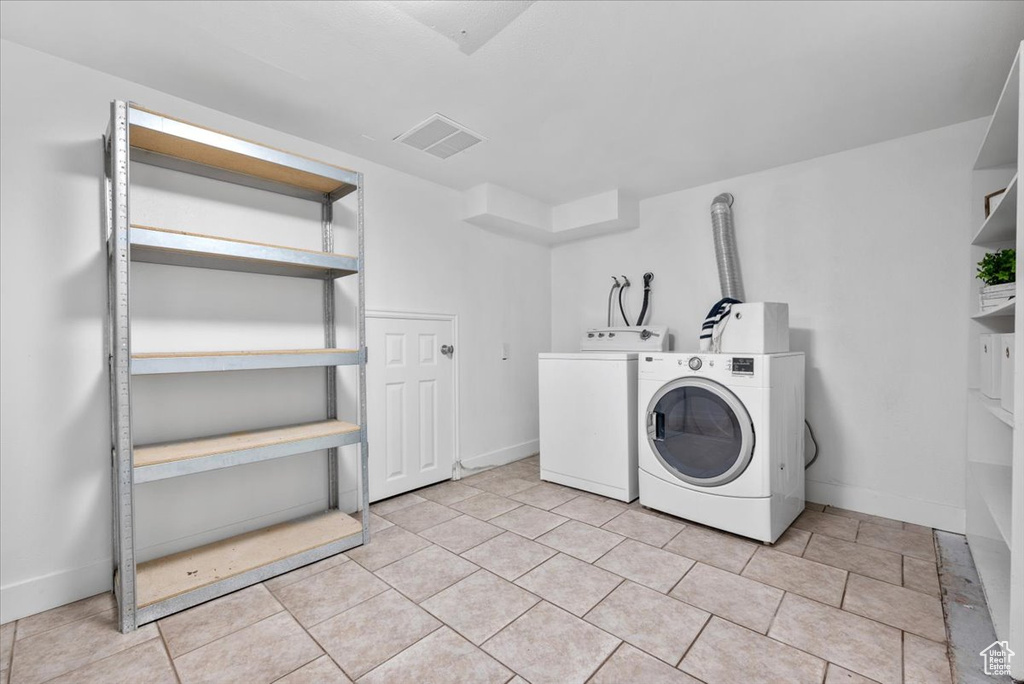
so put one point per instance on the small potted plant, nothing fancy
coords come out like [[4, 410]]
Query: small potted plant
[[998, 270]]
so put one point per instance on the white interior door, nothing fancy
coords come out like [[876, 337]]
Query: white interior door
[[410, 388]]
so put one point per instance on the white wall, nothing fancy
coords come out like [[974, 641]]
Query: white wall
[[868, 248], [55, 444]]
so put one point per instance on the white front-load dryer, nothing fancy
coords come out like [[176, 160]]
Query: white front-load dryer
[[721, 439]]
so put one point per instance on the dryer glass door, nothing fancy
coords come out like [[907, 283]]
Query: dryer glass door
[[700, 431]]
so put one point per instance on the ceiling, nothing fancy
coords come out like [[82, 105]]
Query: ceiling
[[573, 98]]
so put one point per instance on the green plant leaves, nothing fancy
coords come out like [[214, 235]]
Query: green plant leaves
[[999, 267]]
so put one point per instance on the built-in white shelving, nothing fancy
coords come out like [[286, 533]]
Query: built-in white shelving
[[995, 448], [1002, 136], [1001, 225], [993, 482], [1007, 309], [995, 407]]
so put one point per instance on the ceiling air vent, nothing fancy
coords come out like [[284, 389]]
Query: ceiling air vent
[[440, 136]]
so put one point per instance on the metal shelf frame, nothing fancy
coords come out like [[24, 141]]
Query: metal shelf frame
[[175, 248], [135, 134], [206, 454], [206, 362], [162, 609]]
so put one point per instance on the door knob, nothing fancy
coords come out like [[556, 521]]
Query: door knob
[[447, 349]]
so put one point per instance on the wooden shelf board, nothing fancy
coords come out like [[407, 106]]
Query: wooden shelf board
[[994, 407], [1001, 225], [177, 574], [153, 454], [999, 148], [177, 139], [180, 248], [1005, 309]]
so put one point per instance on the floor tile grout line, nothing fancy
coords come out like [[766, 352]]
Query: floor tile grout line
[[846, 586], [481, 644], [420, 535], [318, 572], [686, 572], [779, 641], [503, 530], [775, 614], [614, 650], [429, 544], [696, 638], [14, 644], [512, 622], [442, 625], [615, 546], [425, 598], [520, 575], [167, 650], [581, 618], [749, 558], [323, 646], [225, 636], [641, 648], [348, 608], [818, 656], [234, 631], [608, 657], [903, 656], [93, 662], [602, 600], [63, 624]]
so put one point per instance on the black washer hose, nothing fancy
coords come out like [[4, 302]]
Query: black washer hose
[[648, 277], [622, 309]]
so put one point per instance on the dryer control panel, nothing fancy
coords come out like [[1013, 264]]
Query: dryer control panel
[[741, 365]]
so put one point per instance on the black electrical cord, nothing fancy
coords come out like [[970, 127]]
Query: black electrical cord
[[815, 443], [648, 277], [622, 309]]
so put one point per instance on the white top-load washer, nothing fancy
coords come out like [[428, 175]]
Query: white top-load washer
[[588, 409], [722, 439]]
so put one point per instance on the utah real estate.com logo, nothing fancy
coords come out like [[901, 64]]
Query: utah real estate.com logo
[[997, 658]]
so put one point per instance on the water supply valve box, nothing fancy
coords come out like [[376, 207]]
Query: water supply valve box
[[652, 338], [756, 328]]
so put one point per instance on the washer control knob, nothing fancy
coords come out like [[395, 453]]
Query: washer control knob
[[600, 334], [590, 334], [695, 363]]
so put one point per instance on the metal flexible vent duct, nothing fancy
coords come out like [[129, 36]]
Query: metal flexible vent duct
[[725, 247]]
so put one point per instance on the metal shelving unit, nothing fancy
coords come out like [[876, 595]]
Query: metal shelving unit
[[148, 591]]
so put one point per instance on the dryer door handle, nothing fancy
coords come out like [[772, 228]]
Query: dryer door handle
[[656, 426]]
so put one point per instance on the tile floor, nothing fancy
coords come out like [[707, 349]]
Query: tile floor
[[501, 578]]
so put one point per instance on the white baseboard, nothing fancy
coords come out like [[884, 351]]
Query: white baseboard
[[37, 594], [927, 513], [499, 457]]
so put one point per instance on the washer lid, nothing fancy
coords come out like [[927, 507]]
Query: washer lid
[[700, 431]]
